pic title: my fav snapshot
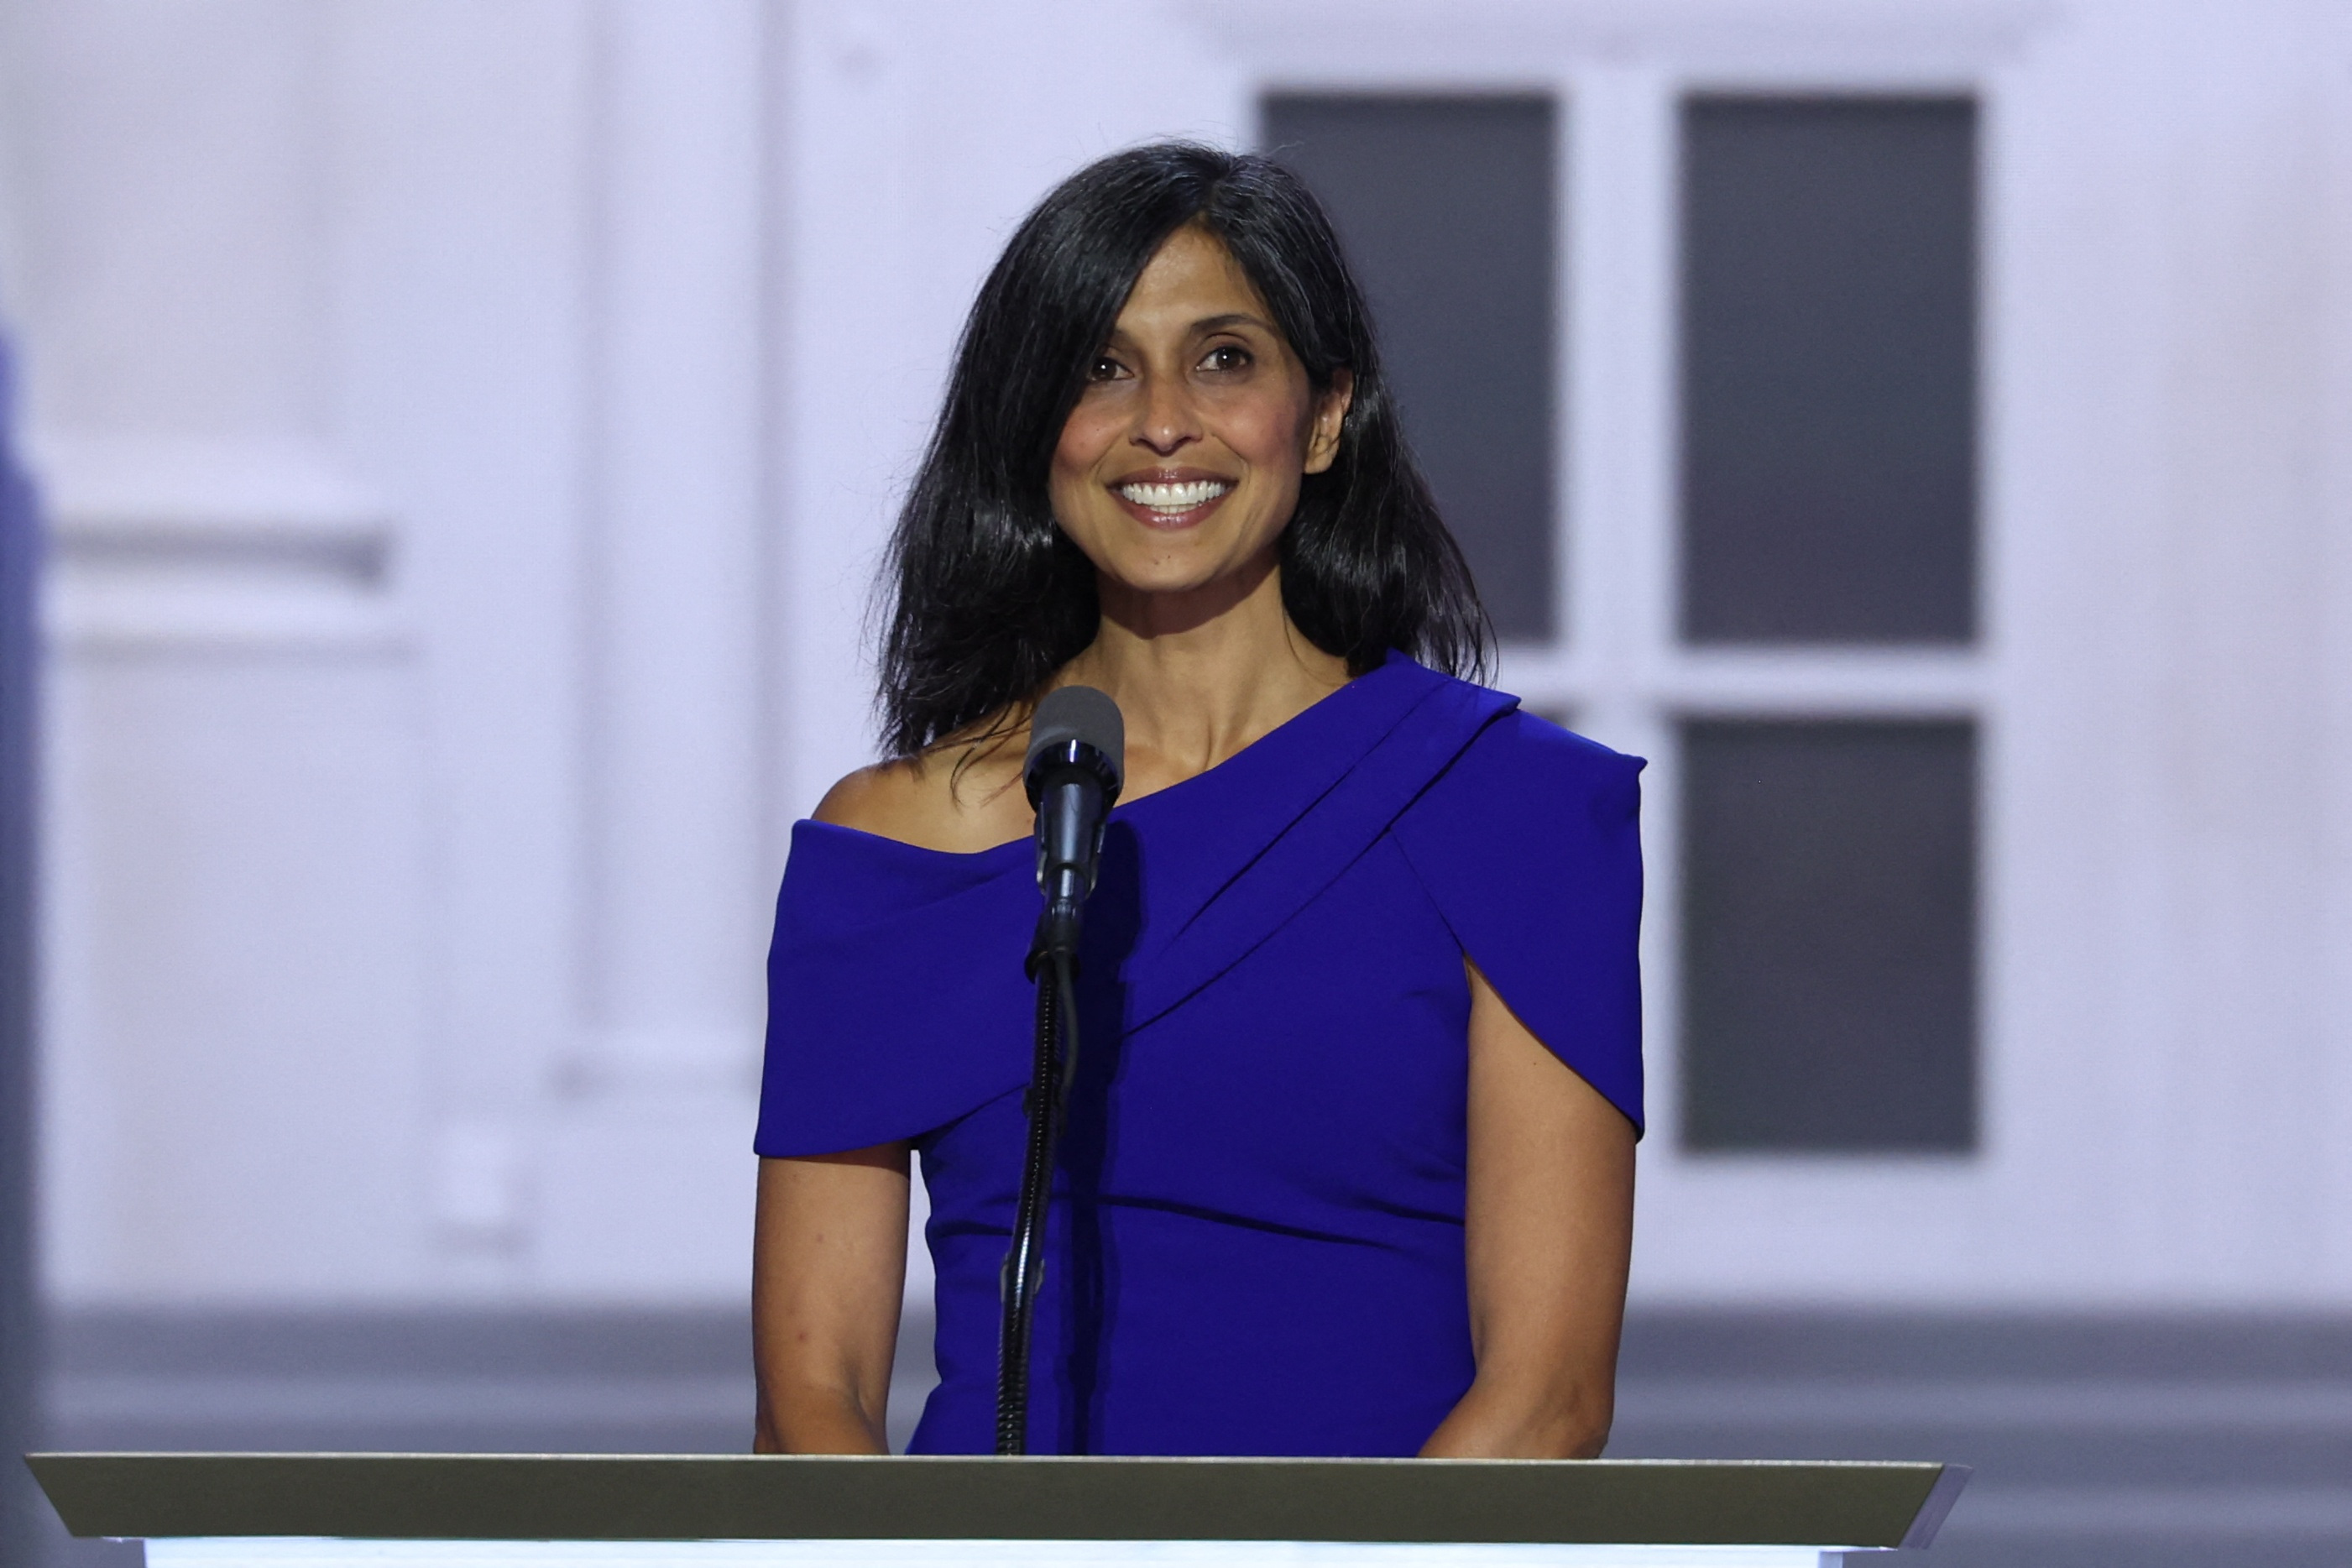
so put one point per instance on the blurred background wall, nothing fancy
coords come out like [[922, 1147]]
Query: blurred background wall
[[467, 431]]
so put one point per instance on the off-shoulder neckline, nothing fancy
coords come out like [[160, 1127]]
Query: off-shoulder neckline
[[1126, 807]]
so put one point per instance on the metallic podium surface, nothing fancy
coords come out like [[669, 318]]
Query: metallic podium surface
[[383, 1509]]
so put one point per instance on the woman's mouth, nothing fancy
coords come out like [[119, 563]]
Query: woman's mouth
[[1172, 504]]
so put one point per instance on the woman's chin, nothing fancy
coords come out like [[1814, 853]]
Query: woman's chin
[[1155, 603]]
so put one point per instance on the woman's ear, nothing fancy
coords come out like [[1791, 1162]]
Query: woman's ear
[[1330, 419]]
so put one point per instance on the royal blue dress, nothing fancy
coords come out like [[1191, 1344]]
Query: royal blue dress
[[1255, 1240]]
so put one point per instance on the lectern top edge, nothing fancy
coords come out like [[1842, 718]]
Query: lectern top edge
[[524, 1497], [896, 1461]]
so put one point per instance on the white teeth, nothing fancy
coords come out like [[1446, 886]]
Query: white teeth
[[1171, 498]]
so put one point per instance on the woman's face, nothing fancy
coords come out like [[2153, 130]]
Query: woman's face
[[1181, 463]]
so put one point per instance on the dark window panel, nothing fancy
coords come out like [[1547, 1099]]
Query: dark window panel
[[1446, 206], [1829, 377], [1828, 935]]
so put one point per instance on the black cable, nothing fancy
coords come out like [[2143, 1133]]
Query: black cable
[[1025, 1264]]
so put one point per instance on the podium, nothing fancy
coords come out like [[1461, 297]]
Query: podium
[[470, 1510]]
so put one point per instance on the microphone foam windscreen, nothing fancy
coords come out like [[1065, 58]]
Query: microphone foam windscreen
[[1083, 714]]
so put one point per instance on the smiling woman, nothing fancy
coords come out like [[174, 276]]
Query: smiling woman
[[1198, 422], [994, 597], [1348, 1166]]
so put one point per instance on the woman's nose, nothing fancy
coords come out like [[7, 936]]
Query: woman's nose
[[1166, 422]]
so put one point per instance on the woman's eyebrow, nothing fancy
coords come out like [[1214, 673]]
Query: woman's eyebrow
[[1231, 318]]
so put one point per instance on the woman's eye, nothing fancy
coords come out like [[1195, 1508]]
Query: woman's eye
[[1104, 370], [1226, 356]]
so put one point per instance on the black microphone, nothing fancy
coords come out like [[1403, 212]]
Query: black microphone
[[1077, 756], [1077, 762]]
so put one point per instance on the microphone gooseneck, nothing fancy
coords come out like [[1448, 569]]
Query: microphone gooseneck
[[1076, 764]]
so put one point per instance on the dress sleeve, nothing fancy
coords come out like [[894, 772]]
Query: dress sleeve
[[1529, 845], [896, 997]]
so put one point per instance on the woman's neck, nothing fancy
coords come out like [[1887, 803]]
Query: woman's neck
[[1197, 681]]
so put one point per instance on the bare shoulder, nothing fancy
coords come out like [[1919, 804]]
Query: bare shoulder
[[885, 799], [930, 803]]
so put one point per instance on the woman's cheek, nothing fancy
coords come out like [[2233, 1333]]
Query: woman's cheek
[[1085, 436], [1268, 432]]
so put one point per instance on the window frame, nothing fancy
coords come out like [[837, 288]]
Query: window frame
[[1619, 670]]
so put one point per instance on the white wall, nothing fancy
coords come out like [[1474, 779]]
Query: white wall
[[417, 282], [470, 426]]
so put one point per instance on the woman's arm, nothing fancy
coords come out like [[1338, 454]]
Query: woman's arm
[[829, 1268], [1550, 1216]]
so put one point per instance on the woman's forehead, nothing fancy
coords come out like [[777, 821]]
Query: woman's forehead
[[1191, 284]]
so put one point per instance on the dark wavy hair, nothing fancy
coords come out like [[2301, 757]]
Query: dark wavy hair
[[987, 596]]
